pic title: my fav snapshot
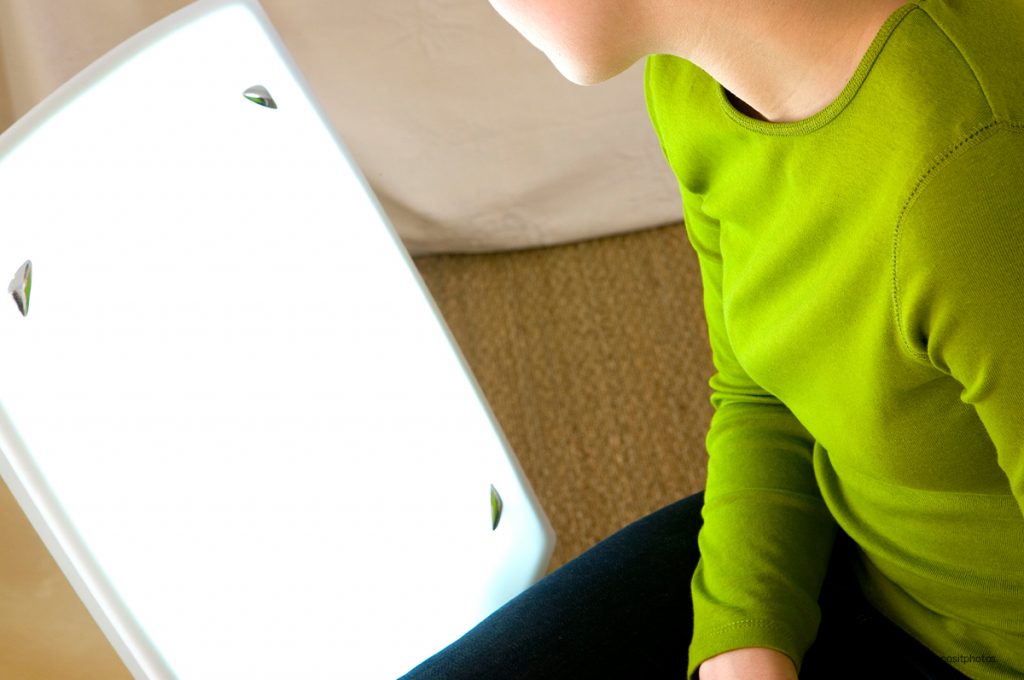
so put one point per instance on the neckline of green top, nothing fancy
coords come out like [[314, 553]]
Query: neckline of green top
[[827, 114]]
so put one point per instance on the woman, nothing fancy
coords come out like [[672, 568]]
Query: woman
[[853, 184]]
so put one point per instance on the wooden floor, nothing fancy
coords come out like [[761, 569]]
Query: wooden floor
[[45, 631]]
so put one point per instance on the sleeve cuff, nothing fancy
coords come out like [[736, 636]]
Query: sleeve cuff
[[746, 633]]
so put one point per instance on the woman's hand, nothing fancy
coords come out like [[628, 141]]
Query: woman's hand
[[749, 663]]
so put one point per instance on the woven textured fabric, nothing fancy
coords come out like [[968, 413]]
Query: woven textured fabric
[[595, 360]]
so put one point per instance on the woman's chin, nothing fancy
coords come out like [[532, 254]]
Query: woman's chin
[[585, 74]]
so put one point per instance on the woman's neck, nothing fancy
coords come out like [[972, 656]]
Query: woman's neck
[[783, 60]]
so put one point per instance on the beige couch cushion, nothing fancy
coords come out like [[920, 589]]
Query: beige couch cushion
[[470, 138]]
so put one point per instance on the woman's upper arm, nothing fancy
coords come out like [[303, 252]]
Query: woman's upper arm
[[959, 272], [767, 534]]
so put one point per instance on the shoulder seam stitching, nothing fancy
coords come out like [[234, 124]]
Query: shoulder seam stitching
[[914, 194], [963, 58]]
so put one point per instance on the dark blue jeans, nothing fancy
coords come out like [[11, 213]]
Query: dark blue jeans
[[623, 610]]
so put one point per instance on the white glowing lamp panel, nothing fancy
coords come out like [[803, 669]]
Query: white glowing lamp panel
[[232, 410]]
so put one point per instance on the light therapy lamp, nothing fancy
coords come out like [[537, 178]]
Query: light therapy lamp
[[228, 404]]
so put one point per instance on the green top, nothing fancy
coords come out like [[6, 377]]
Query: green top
[[863, 275]]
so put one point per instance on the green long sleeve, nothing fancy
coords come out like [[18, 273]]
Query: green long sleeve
[[760, 478], [863, 275]]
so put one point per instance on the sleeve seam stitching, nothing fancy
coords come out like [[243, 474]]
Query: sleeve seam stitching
[[747, 623]]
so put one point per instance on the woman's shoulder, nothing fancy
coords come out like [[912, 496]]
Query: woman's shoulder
[[664, 73], [966, 214], [989, 36]]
